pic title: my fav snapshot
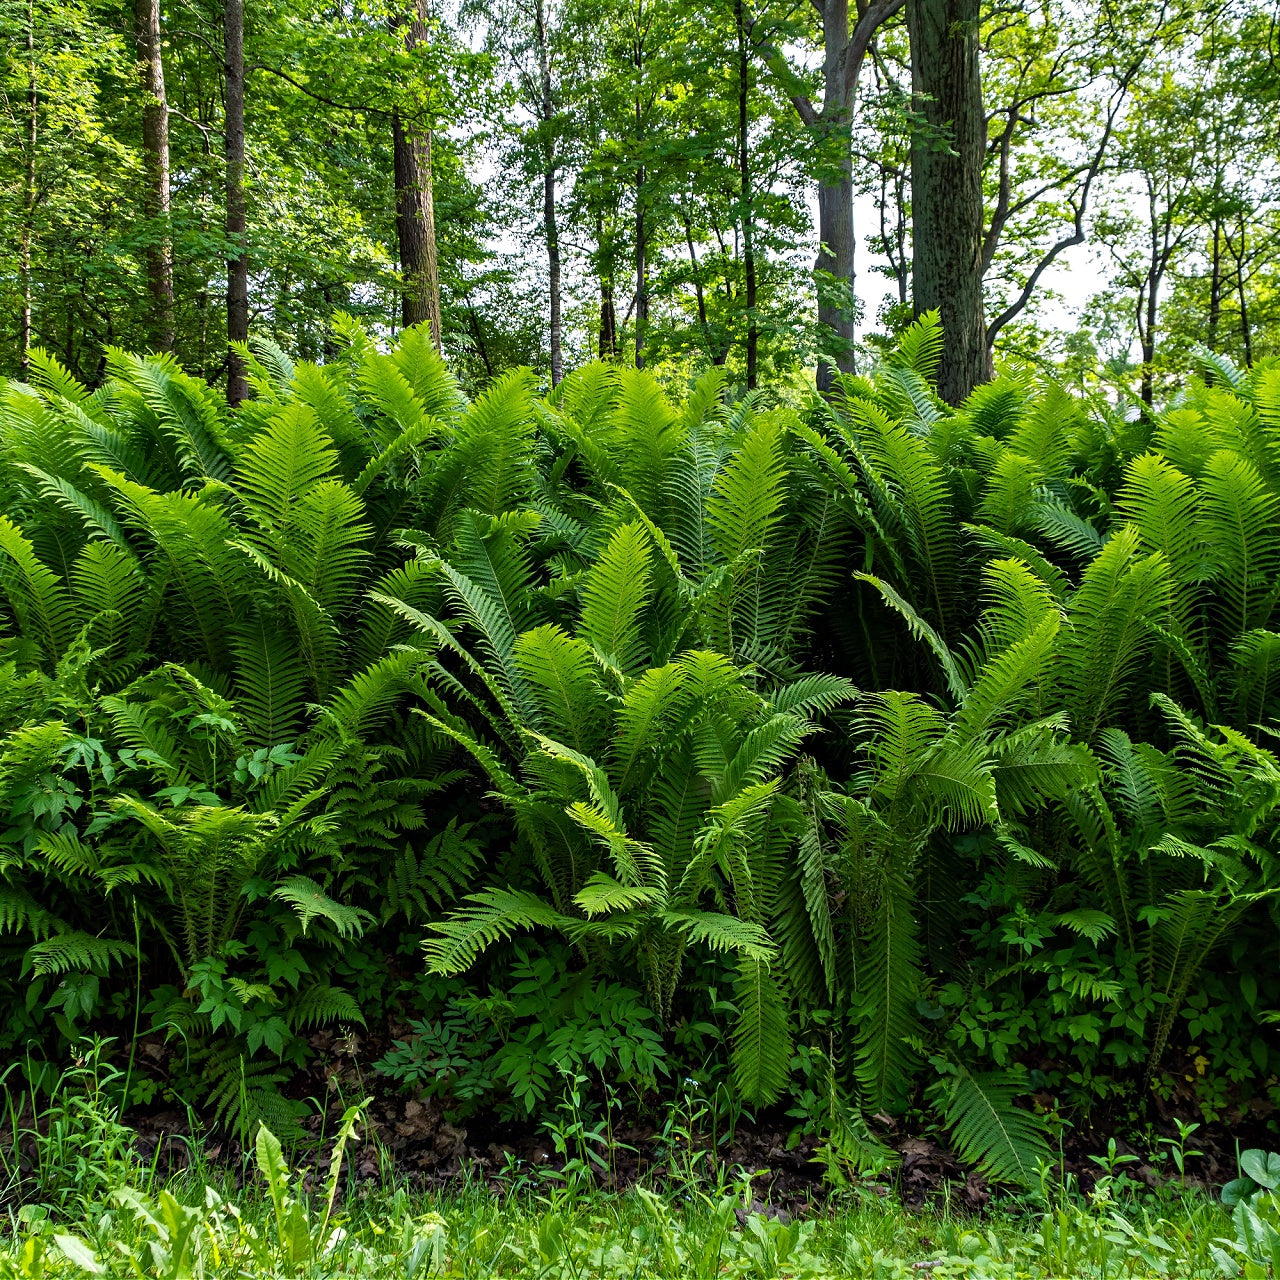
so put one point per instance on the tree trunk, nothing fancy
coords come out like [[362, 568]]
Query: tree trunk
[[837, 307], [28, 200], [946, 185], [550, 227], [642, 280], [415, 207], [608, 344], [1246, 333], [1215, 287], [155, 154], [237, 249], [1149, 305], [746, 196]]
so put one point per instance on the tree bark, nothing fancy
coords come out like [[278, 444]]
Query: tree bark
[[28, 200], [550, 227], [608, 344], [415, 207], [155, 153], [237, 248], [836, 300], [746, 195], [642, 274], [844, 52], [946, 185], [1215, 287]]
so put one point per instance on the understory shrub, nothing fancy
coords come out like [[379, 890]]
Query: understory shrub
[[859, 753]]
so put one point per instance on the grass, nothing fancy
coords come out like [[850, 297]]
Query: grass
[[78, 1201]]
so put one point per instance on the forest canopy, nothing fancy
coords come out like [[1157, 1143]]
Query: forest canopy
[[775, 188]]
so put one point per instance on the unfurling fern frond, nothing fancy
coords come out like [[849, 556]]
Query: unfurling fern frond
[[1007, 1143]]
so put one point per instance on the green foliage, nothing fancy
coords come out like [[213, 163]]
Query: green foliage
[[920, 753]]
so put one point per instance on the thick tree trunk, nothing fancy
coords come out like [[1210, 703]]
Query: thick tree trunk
[[837, 308], [415, 208], [155, 157], [836, 304], [27, 233], [946, 185], [237, 249], [746, 195]]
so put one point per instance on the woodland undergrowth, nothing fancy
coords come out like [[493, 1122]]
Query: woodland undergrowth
[[877, 763]]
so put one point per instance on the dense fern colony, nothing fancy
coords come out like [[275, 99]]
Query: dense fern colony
[[900, 750]]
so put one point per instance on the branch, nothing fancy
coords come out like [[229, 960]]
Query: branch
[[781, 68], [855, 52], [354, 108], [1077, 235]]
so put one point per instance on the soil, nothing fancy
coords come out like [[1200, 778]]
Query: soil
[[411, 1138]]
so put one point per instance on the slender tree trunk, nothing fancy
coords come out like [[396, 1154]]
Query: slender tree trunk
[[1246, 333], [1150, 305], [1215, 286], [28, 199], [642, 278], [837, 304], [716, 350], [746, 195], [946, 185], [415, 207], [549, 225], [237, 248], [155, 151], [608, 334]]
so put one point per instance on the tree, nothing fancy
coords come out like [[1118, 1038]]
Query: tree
[[947, 152], [844, 49], [1150, 226], [155, 151], [237, 243], [415, 202]]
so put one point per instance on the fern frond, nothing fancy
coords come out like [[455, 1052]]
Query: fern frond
[[761, 1046], [310, 902], [77, 951], [495, 914], [989, 1131], [614, 593]]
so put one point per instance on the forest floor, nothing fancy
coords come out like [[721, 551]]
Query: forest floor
[[577, 1196]]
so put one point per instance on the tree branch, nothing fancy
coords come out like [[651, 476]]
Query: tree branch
[[354, 108], [855, 52]]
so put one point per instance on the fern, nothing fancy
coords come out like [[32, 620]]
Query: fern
[[77, 952], [761, 1035], [1003, 1141], [312, 903]]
